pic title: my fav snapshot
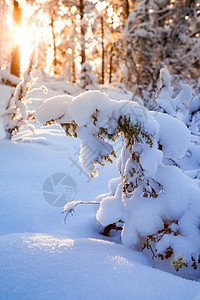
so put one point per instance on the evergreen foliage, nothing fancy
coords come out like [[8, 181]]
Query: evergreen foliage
[[156, 204]]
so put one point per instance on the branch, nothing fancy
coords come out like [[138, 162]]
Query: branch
[[71, 206]]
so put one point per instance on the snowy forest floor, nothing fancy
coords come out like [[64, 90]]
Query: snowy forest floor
[[44, 258]]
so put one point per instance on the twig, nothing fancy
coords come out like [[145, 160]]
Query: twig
[[71, 206]]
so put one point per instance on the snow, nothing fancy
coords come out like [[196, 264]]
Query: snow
[[150, 160], [5, 76], [38, 266], [111, 204], [92, 151], [87, 79], [166, 77], [164, 98], [54, 108], [173, 136], [86, 104], [183, 97], [44, 258]]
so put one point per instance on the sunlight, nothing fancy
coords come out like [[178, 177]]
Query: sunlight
[[101, 5], [25, 38], [31, 33]]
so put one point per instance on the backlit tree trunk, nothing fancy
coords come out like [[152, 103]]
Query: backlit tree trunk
[[111, 64], [81, 9], [15, 55], [102, 52], [54, 43]]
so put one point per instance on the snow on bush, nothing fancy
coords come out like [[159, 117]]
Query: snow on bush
[[192, 117], [158, 205], [88, 80], [7, 78], [164, 98], [15, 114]]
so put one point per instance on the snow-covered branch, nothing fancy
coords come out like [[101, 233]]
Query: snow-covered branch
[[151, 198], [71, 206], [16, 114]]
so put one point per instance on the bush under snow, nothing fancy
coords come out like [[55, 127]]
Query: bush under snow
[[158, 205], [88, 80]]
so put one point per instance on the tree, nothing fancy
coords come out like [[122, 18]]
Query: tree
[[116, 45], [4, 30], [16, 115], [15, 55], [158, 33], [83, 30], [55, 13], [88, 80], [156, 205]]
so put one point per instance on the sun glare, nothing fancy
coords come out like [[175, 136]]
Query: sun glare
[[25, 38], [38, 31], [30, 34]]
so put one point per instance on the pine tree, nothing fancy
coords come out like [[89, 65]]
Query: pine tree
[[155, 205]]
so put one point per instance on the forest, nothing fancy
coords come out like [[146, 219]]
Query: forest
[[125, 42], [99, 149]]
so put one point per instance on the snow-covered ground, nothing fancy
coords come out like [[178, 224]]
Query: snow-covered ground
[[41, 257]]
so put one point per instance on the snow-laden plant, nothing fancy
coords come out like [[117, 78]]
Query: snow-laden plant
[[192, 117], [15, 115], [158, 33], [158, 205], [165, 101], [184, 105], [87, 79]]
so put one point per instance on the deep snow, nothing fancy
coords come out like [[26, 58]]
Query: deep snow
[[43, 258]]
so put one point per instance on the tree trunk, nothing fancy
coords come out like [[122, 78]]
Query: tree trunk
[[15, 54], [127, 8], [111, 64], [102, 52], [73, 66], [2, 31], [81, 9], [54, 44]]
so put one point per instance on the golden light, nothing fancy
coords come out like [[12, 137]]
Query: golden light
[[69, 51], [31, 33], [78, 59], [101, 5], [25, 38], [110, 11], [73, 9]]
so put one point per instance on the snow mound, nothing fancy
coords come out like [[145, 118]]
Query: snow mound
[[86, 104], [38, 266], [174, 136], [53, 108]]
